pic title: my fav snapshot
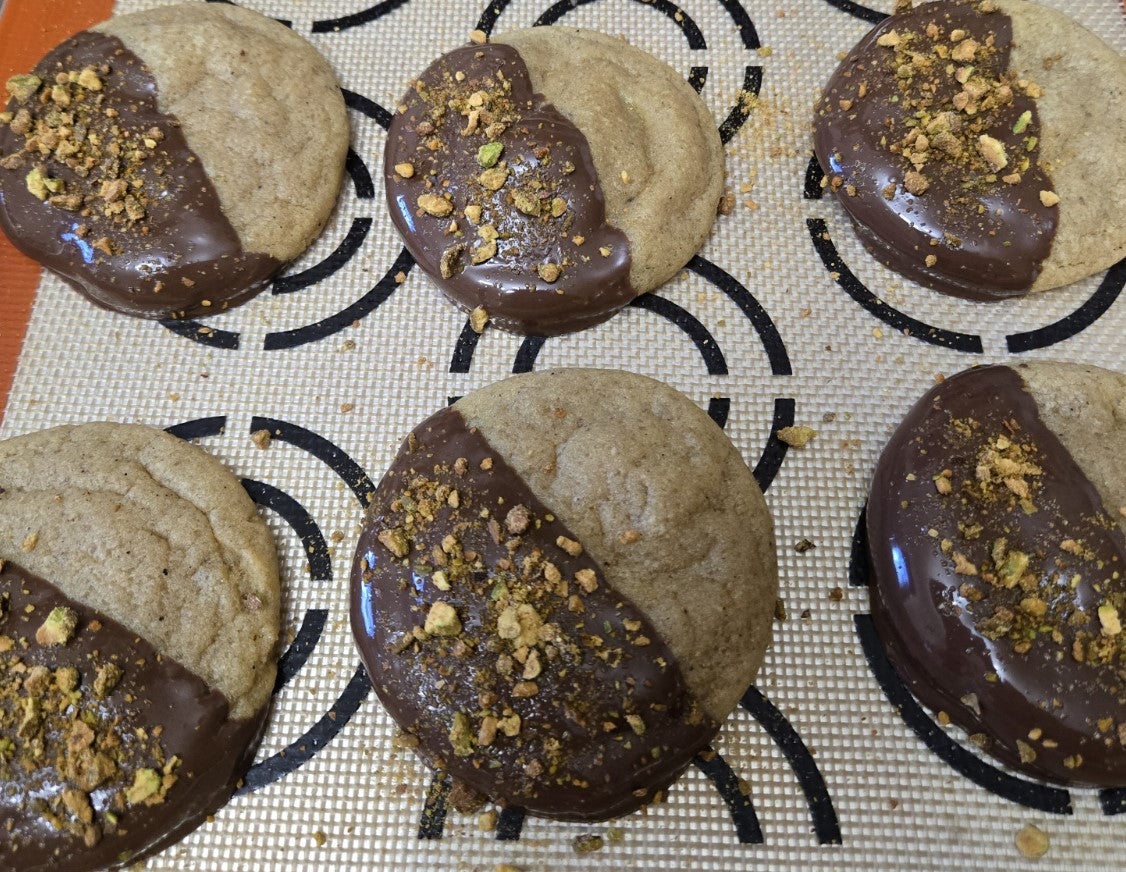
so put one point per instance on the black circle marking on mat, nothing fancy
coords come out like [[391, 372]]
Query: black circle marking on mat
[[747, 828], [1028, 793], [768, 334], [526, 355], [1082, 318], [697, 78], [1112, 800], [1041, 797], [872, 16], [344, 319], [200, 428], [705, 343], [774, 452], [510, 823], [366, 106], [719, 408], [202, 334], [300, 752], [344, 252], [823, 244], [826, 825], [315, 549], [365, 16], [671, 11], [739, 113], [361, 179], [297, 753], [814, 176], [433, 816], [1087, 314]]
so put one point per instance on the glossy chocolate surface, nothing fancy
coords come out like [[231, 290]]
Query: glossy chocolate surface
[[1007, 639], [73, 762], [549, 198], [551, 691], [182, 258], [987, 234]]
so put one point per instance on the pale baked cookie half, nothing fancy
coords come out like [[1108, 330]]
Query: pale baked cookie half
[[974, 146], [996, 526], [168, 163], [564, 584], [139, 621], [546, 178]]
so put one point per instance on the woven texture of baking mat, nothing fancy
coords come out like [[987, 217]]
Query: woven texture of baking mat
[[783, 318]]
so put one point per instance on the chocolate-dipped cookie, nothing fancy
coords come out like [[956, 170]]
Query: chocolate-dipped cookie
[[542, 197], [139, 612], [168, 163], [970, 142], [995, 524], [564, 584]]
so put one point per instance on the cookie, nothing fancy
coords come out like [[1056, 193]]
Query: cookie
[[542, 197], [139, 620], [971, 144], [168, 163], [996, 527], [564, 584]]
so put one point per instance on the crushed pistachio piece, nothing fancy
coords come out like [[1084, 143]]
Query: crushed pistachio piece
[[796, 436], [1049, 198], [489, 153], [478, 318], [59, 627], [1108, 618]]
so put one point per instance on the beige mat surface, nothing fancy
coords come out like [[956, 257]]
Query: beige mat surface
[[782, 319]]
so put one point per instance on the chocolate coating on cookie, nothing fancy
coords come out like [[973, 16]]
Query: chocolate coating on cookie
[[110, 751], [998, 580], [496, 195], [931, 145], [493, 638], [101, 187]]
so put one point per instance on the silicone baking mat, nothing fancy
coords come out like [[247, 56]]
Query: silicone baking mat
[[783, 318]]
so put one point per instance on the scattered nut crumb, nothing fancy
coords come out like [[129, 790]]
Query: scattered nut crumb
[[1032, 842], [796, 436], [261, 439]]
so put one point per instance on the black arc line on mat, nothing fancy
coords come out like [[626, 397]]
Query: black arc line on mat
[[747, 828], [300, 752], [334, 720], [814, 177], [1082, 318], [361, 178], [872, 16], [366, 106], [344, 252], [671, 11], [433, 817], [357, 234], [1027, 793], [365, 16], [346, 317], [1112, 800], [202, 334], [768, 334], [510, 823], [315, 548], [697, 78], [823, 244], [1015, 789], [826, 825], [774, 452], [739, 113]]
